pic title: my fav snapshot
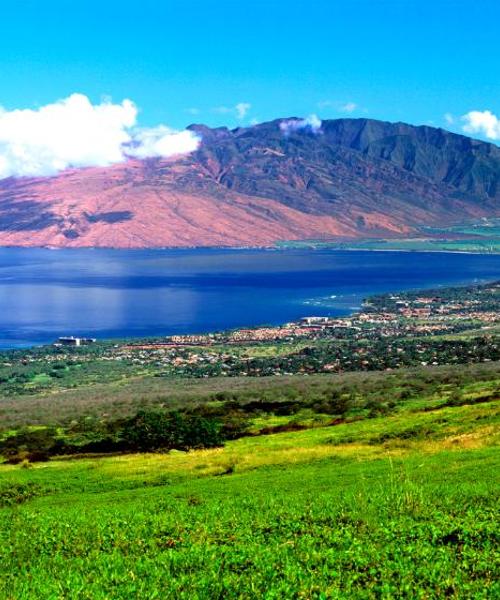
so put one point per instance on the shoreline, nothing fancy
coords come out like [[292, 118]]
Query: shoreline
[[273, 248], [154, 338]]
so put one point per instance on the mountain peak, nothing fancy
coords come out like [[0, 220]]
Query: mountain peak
[[283, 179]]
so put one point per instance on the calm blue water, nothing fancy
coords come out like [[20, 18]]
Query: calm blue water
[[118, 293]]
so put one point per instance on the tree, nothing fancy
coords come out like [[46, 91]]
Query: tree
[[152, 431]]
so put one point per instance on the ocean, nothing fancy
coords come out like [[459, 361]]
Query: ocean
[[136, 293]]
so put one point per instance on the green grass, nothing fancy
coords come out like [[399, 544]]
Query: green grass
[[401, 506], [480, 236], [479, 243]]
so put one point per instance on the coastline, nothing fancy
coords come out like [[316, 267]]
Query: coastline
[[165, 339], [300, 245], [115, 294]]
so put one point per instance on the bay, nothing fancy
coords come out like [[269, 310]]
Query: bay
[[136, 293]]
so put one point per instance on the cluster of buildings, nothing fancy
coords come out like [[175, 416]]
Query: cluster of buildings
[[392, 318]]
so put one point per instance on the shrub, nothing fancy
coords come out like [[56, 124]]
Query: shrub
[[234, 428], [455, 398], [17, 493], [340, 405], [29, 443], [155, 431]]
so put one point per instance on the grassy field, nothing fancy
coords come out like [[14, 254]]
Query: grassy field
[[482, 237], [481, 245], [402, 505]]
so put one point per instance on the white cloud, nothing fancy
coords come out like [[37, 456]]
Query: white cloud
[[344, 107], [312, 122], [348, 107], [73, 132], [162, 141], [242, 108], [326, 104], [483, 123], [223, 110], [449, 118], [239, 110]]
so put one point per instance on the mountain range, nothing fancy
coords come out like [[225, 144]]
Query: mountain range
[[286, 179]]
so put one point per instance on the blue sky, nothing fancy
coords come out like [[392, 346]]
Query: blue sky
[[194, 61]]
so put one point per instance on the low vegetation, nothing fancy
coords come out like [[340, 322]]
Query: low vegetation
[[399, 504], [478, 236], [198, 415]]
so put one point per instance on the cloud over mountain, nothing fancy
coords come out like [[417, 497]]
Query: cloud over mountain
[[348, 107], [162, 141], [290, 178], [483, 123], [73, 132], [312, 122], [238, 111]]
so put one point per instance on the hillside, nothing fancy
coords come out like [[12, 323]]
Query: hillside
[[282, 180], [125, 468], [394, 500]]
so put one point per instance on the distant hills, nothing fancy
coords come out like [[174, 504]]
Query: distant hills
[[282, 180]]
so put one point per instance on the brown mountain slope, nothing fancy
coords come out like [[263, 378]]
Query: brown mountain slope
[[254, 186], [125, 206]]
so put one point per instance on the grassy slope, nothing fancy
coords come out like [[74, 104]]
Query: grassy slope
[[473, 237], [397, 506], [479, 245]]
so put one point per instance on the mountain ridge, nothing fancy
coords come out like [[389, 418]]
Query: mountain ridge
[[280, 180]]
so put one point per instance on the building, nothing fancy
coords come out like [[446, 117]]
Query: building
[[74, 341], [314, 320]]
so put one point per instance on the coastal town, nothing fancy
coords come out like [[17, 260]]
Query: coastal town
[[443, 326]]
